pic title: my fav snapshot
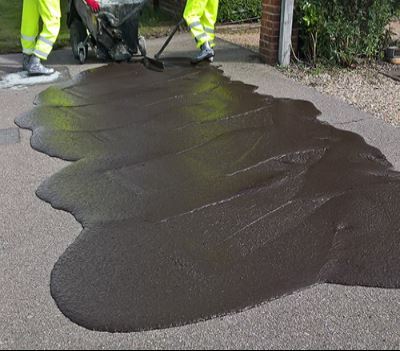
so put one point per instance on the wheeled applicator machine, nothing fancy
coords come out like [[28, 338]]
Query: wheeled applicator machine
[[112, 32]]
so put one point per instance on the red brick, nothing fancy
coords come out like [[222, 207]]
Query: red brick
[[270, 31]]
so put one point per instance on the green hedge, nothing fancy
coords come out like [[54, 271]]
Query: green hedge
[[344, 31], [238, 10]]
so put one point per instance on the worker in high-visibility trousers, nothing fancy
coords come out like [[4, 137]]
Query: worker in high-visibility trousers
[[37, 47], [201, 16]]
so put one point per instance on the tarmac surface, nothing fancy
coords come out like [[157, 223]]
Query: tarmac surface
[[33, 236]]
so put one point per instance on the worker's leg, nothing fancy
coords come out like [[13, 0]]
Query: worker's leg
[[194, 11], [50, 12], [29, 26], [209, 19]]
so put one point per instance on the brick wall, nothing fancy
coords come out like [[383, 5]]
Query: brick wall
[[270, 30]]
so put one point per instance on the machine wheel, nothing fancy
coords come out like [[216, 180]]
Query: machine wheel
[[82, 52], [78, 34], [142, 45]]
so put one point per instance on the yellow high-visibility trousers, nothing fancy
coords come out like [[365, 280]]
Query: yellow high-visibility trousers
[[50, 13], [201, 16]]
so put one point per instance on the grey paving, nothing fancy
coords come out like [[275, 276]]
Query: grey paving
[[33, 236], [9, 136]]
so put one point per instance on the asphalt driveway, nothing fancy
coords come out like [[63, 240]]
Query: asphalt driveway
[[33, 236]]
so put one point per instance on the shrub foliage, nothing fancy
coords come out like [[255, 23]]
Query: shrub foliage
[[343, 31], [238, 10]]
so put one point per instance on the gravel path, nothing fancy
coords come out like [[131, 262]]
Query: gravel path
[[246, 35], [364, 87]]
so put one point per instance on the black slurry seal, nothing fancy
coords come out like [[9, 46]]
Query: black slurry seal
[[200, 197]]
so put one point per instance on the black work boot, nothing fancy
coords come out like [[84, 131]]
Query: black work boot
[[206, 54], [35, 67], [25, 61]]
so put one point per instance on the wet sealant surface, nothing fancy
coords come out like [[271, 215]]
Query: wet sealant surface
[[199, 197]]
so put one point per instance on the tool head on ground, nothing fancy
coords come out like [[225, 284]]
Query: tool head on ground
[[153, 64]]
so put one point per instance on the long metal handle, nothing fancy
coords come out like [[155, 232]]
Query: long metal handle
[[169, 39]]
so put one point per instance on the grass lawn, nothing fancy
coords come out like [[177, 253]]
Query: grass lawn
[[153, 24], [10, 19]]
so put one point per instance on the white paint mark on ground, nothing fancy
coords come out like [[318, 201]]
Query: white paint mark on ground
[[21, 79]]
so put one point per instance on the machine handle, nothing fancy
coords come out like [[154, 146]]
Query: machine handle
[[157, 56]]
